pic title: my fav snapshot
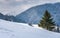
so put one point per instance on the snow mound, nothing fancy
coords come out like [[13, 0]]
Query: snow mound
[[20, 30]]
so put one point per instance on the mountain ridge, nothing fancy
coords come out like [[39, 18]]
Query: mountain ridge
[[34, 14]]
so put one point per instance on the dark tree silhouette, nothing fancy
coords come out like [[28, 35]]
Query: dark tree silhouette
[[47, 21]]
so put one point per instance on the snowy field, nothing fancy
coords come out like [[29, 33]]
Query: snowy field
[[20, 30]]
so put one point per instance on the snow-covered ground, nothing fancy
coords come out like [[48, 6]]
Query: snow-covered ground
[[20, 30]]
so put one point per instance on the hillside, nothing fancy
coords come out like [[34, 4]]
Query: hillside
[[34, 14], [10, 18], [20, 30]]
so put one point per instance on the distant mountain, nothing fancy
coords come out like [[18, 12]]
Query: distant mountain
[[10, 18], [34, 14]]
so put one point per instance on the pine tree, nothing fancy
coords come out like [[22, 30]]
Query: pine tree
[[58, 28], [47, 21]]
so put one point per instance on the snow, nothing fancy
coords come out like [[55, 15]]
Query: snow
[[21, 30], [36, 26]]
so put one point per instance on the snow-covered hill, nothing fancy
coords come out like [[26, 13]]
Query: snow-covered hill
[[20, 30], [34, 14]]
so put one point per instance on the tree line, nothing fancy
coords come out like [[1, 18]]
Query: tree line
[[10, 18]]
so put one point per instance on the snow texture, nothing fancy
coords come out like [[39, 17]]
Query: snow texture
[[20, 30]]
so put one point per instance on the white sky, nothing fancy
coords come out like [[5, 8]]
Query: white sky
[[15, 7]]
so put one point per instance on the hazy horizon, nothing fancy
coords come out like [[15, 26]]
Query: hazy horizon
[[15, 7]]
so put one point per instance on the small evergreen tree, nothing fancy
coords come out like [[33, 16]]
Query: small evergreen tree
[[30, 24], [1, 16], [58, 28], [47, 21]]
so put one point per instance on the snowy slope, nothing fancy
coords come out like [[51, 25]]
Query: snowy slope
[[20, 30], [35, 14]]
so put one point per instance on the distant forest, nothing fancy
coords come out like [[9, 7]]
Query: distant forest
[[10, 18]]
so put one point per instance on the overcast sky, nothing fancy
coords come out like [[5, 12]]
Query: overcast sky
[[15, 7]]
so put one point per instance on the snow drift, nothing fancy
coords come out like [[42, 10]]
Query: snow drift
[[20, 30]]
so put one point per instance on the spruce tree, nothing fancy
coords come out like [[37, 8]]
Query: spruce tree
[[47, 21]]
